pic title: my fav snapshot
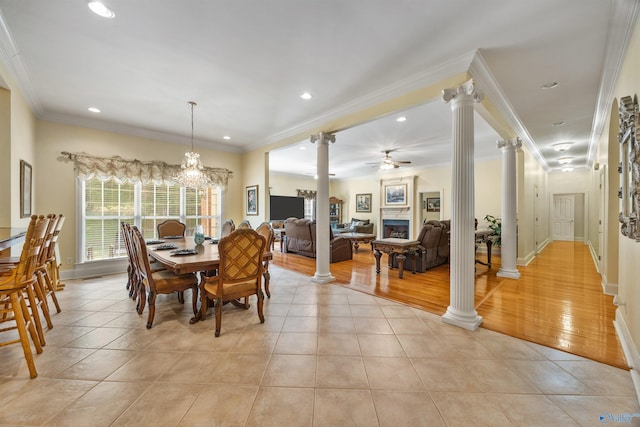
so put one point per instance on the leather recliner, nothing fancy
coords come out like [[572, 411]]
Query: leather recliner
[[434, 247], [300, 238]]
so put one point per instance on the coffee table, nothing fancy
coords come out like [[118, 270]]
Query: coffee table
[[392, 245], [356, 238]]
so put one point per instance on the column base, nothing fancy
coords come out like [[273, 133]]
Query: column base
[[511, 274], [469, 321], [322, 278]]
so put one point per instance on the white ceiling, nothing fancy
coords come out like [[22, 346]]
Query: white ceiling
[[246, 63]]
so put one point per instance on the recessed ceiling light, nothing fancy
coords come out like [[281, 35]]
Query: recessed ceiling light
[[549, 85], [100, 9], [562, 146], [94, 109], [567, 169], [227, 137], [306, 95], [302, 147], [401, 119], [560, 123], [565, 160]]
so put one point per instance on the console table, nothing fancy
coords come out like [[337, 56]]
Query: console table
[[401, 247]]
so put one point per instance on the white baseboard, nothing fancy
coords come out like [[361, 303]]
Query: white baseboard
[[95, 268], [524, 261], [543, 245], [630, 350], [594, 256]]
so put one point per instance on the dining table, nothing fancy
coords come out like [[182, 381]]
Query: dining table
[[182, 256]]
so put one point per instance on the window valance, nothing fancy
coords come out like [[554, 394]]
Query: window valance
[[307, 194], [122, 170]]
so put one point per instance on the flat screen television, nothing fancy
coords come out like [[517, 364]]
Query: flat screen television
[[283, 207]]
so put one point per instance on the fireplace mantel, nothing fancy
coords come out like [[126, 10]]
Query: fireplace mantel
[[403, 212]]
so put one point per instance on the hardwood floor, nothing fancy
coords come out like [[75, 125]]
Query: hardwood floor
[[557, 302]]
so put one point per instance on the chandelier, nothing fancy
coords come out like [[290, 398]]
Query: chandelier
[[192, 174]]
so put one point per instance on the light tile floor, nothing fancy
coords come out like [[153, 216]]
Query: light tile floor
[[326, 356]]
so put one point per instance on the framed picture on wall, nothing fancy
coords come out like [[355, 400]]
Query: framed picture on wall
[[395, 195], [433, 204], [363, 202], [252, 200], [25, 189]]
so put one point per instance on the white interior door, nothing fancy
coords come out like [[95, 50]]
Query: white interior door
[[562, 223]]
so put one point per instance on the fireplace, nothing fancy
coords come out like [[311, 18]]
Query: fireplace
[[395, 228]]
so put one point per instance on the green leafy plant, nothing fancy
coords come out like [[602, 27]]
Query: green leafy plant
[[495, 225]]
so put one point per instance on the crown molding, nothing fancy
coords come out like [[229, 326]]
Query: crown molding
[[101, 125], [482, 74], [415, 82], [10, 57], [623, 18]]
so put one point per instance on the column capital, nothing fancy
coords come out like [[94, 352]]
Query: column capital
[[467, 89], [323, 138], [510, 143]]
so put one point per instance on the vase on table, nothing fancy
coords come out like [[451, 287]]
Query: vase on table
[[198, 235]]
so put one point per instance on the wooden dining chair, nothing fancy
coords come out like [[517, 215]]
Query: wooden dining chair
[[266, 231], [44, 286], [244, 224], [227, 228], [53, 263], [159, 282], [171, 227], [17, 286], [239, 274]]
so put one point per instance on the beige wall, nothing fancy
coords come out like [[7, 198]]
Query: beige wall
[[56, 190], [488, 191], [17, 142], [629, 250], [532, 203]]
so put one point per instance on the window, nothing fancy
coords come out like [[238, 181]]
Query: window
[[310, 208], [104, 205]]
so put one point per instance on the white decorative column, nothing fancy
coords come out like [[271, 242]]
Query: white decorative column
[[509, 247], [461, 311], [323, 274]]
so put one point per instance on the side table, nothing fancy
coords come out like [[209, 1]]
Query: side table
[[392, 245]]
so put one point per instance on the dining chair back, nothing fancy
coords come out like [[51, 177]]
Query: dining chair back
[[53, 263], [14, 287], [159, 282], [171, 227], [239, 274], [266, 231], [244, 224], [44, 286], [227, 228]]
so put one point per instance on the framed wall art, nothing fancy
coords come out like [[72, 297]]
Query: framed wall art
[[395, 195], [252, 200], [433, 204], [25, 189], [363, 202]]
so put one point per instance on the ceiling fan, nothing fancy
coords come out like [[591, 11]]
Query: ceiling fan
[[388, 163]]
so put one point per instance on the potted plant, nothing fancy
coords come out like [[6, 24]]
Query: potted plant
[[495, 225]]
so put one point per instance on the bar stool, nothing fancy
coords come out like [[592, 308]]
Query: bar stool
[[14, 287]]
